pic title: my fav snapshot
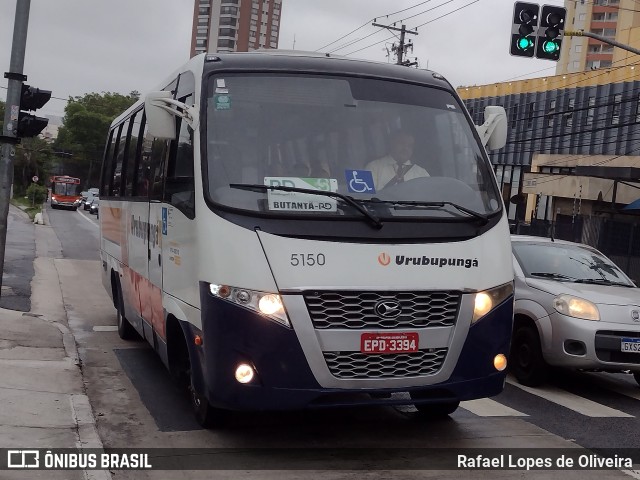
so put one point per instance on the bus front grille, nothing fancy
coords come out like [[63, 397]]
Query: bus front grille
[[401, 365], [357, 310]]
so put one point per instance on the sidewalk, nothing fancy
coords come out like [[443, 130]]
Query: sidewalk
[[42, 394]]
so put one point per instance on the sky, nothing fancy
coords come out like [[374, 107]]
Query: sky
[[82, 46]]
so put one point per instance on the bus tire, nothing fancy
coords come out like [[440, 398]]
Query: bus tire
[[125, 329], [526, 360], [436, 410], [206, 415]]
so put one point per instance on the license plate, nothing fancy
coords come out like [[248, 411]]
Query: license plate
[[389, 342], [631, 345]]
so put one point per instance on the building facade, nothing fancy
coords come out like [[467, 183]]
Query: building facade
[[612, 19], [556, 124], [235, 25]]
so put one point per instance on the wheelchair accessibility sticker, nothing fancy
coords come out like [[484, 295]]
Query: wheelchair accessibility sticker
[[360, 181]]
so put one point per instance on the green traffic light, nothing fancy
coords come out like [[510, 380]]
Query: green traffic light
[[550, 47], [524, 43]]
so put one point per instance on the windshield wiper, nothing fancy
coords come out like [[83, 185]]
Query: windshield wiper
[[373, 220], [601, 281], [557, 276], [419, 204]]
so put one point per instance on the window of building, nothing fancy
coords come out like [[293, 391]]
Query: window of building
[[569, 113], [582, 17], [591, 112], [229, 10], [226, 43], [227, 32], [576, 65], [578, 48], [514, 116], [615, 114], [609, 32], [530, 114], [228, 21], [638, 108], [611, 16], [551, 113]]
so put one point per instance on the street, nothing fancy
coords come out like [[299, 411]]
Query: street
[[136, 405]]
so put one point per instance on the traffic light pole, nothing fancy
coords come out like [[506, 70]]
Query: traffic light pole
[[602, 39], [11, 114]]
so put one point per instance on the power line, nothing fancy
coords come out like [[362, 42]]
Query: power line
[[426, 23]]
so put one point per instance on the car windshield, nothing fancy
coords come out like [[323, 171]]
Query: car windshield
[[567, 263], [399, 150]]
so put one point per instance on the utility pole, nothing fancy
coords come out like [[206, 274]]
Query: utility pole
[[11, 117], [582, 33], [401, 49]]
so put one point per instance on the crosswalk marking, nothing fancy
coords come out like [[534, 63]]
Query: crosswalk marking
[[569, 400], [614, 385], [485, 407]]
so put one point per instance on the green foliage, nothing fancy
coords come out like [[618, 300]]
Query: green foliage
[[33, 157], [83, 135], [37, 194]]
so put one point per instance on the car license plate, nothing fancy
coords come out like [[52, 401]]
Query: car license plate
[[630, 345], [389, 342]]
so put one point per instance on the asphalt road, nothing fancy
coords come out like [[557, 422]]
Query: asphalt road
[[137, 405]]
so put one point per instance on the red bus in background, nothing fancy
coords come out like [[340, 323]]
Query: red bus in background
[[65, 192]]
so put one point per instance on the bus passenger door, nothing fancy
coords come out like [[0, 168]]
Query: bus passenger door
[[153, 310]]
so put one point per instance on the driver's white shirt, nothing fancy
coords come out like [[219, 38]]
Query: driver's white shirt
[[385, 168]]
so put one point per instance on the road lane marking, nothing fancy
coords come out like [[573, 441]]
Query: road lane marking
[[105, 328], [95, 224], [485, 407], [573, 402]]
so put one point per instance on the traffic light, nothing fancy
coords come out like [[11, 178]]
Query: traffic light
[[31, 99], [524, 29], [550, 32]]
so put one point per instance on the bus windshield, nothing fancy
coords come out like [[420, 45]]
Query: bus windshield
[[65, 188], [401, 148]]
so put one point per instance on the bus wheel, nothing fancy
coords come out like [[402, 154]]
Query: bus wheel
[[206, 415], [526, 361], [125, 330], [436, 410]]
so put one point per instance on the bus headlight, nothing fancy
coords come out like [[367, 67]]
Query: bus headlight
[[266, 304], [487, 300]]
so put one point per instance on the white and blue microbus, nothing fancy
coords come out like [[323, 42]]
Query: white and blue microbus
[[293, 231]]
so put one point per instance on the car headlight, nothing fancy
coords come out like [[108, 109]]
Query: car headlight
[[266, 304], [487, 300], [576, 307], [53, 200]]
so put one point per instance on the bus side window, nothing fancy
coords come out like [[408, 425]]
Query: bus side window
[[107, 165], [132, 157], [179, 186], [120, 157], [157, 161]]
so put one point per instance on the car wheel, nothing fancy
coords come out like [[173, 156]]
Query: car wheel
[[436, 410], [526, 361], [636, 376], [125, 329]]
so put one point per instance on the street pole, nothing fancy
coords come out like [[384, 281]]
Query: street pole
[[603, 40], [12, 110], [402, 47]]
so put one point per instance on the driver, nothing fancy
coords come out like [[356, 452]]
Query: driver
[[396, 167]]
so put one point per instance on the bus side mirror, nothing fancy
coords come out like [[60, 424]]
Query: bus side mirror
[[161, 121], [493, 132]]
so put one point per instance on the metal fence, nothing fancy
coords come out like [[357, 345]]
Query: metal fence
[[618, 237]]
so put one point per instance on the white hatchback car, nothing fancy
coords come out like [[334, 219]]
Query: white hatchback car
[[573, 308]]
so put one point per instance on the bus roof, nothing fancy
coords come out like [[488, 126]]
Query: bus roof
[[293, 61]]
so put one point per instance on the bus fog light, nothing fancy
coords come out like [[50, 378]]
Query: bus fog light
[[500, 362], [270, 304], [244, 373]]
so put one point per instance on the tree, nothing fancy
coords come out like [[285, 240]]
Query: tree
[[81, 139], [33, 157]]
